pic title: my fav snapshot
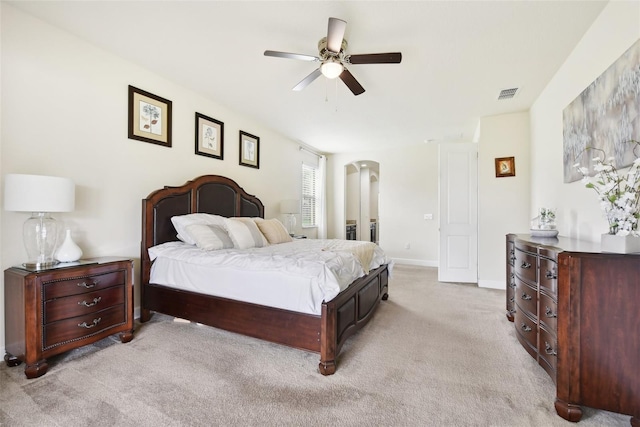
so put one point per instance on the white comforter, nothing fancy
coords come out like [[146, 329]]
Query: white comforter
[[296, 276]]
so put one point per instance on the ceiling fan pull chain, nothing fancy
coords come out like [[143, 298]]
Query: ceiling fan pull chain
[[326, 90], [336, 80]]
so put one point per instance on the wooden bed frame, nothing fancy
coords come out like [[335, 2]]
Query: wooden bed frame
[[341, 317]]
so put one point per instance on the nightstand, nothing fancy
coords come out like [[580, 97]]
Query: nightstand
[[50, 311]]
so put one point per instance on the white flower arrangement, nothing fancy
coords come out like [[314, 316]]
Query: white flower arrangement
[[619, 194]]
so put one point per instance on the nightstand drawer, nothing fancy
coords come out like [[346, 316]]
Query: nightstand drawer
[[81, 285], [82, 326], [81, 304]]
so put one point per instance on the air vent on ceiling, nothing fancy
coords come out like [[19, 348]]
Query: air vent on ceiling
[[508, 93]]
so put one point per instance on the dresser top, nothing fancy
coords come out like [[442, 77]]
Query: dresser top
[[565, 244]]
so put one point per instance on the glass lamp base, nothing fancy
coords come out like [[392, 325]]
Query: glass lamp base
[[40, 234], [40, 265]]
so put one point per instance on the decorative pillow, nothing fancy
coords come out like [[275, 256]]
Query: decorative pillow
[[181, 222], [245, 233], [209, 237], [274, 231]]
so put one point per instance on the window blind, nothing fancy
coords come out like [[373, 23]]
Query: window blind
[[309, 195]]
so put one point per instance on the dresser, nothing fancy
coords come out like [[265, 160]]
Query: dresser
[[48, 312], [576, 312]]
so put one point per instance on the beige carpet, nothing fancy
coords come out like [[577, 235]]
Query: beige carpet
[[435, 354]]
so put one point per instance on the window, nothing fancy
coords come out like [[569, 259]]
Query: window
[[310, 202]]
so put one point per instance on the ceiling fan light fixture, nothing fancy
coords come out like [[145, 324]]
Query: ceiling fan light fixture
[[331, 68]]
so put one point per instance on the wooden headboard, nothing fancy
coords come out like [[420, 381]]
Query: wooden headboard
[[212, 194]]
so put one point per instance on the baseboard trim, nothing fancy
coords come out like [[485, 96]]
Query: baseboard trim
[[419, 262], [492, 284]]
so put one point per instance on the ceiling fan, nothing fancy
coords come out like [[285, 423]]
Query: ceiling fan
[[332, 57]]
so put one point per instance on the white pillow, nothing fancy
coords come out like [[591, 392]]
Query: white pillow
[[181, 222], [274, 231], [245, 233], [210, 237]]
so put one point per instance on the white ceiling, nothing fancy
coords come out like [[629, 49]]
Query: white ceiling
[[457, 56]]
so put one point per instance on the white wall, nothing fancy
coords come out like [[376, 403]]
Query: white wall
[[64, 113], [579, 214], [408, 188], [503, 203]]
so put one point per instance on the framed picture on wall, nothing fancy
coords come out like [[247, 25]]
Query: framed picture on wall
[[249, 150], [505, 166], [149, 117], [209, 137]]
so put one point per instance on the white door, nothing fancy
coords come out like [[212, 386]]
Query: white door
[[458, 200]]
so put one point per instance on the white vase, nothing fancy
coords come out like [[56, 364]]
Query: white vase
[[68, 250], [620, 244]]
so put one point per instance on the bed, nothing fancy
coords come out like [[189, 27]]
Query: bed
[[323, 333]]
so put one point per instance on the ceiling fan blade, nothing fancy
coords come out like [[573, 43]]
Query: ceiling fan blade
[[307, 80], [376, 58], [351, 82], [290, 55], [335, 34]]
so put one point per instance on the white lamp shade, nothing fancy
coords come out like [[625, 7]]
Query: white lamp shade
[[290, 206], [38, 193]]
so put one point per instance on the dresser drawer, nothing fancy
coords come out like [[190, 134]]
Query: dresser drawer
[[81, 304], [526, 266], [511, 253], [79, 327], [527, 329], [548, 312], [84, 284], [548, 348], [549, 275], [526, 297]]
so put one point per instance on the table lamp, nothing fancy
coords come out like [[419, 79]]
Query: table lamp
[[39, 195], [290, 208]]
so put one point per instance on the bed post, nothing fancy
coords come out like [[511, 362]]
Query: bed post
[[328, 340]]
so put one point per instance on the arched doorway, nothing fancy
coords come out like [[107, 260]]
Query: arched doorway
[[362, 191]]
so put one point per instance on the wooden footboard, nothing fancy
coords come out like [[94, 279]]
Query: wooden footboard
[[341, 317], [347, 313]]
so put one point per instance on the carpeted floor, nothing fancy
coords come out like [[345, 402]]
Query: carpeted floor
[[435, 354]]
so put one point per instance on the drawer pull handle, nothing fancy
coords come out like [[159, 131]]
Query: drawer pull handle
[[512, 285], [551, 274], [525, 265], [550, 313], [526, 297], [525, 328], [94, 324], [512, 299], [88, 286], [90, 304], [549, 350]]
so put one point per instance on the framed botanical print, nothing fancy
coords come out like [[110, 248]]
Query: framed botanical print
[[149, 117], [249, 150], [505, 166], [209, 137]]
